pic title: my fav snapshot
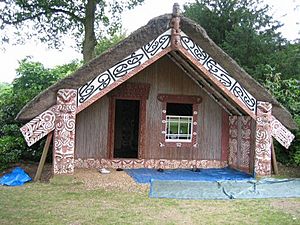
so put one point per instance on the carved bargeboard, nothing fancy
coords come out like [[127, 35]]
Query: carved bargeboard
[[39, 127]]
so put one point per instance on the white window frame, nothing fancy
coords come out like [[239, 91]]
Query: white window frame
[[178, 135]]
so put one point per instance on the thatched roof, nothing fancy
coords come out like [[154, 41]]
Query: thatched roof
[[139, 38]]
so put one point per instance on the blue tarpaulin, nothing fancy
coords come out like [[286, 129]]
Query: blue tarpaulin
[[17, 177], [264, 188], [144, 175]]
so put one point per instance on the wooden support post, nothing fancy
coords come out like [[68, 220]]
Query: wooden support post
[[43, 157], [274, 161]]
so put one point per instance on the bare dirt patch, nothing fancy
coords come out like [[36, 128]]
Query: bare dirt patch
[[92, 179], [30, 168]]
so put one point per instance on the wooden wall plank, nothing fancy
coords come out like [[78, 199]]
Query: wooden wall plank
[[91, 130], [164, 77]]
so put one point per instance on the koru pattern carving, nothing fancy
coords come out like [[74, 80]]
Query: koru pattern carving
[[280, 133], [39, 127], [233, 141], [148, 163], [263, 139], [218, 72], [119, 70], [244, 153], [64, 134]]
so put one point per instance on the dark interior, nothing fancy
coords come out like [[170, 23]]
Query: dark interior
[[126, 128], [176, 109]]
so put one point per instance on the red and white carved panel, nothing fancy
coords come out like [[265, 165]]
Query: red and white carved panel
[[244, 151], [263, 139], [64, 134], [39, 127], [280, 133], [148, 163], [233, 140]]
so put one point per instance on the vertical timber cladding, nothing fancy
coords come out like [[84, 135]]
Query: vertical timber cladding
[[165, 77], [64, 133], [92, 130], [240, 142], [162, 76]]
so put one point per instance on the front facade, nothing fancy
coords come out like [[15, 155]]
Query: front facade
[[168, 104]]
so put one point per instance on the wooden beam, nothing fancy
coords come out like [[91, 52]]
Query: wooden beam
[[195, 73], [43, 157], [215, 81], [202, 87], [273, 158]]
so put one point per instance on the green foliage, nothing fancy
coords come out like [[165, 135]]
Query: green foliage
[[32, 78], [287, 92], [107, 42], [243, 28], [52, 20]]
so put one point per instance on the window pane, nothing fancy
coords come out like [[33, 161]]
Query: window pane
[[179, 127], [184, 128], [173, 129]]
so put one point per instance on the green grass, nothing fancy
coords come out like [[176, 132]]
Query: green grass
[[66, 201]]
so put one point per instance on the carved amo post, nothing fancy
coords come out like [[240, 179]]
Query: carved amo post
[[64, 133], [263, 139]]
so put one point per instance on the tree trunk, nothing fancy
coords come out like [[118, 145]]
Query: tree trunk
[[89, 41]]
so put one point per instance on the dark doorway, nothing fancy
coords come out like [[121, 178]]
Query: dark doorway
[[126, 140]]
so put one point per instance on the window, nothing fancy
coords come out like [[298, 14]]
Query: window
[[179, 122]]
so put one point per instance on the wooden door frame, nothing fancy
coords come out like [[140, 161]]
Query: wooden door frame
[[128, 91]]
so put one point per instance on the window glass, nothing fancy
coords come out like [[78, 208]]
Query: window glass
[[179, 122]]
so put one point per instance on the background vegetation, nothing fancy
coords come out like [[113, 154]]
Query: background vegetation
[[245, 29]]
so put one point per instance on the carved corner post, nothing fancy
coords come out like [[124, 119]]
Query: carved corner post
[[263, 139], [175, 27], [64, 133], [233, 141]]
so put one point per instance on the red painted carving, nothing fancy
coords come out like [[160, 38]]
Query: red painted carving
[[148, 163], [263, 139], [280, 133], [244, 151], [39, 127], [64, 134], [233, 141]]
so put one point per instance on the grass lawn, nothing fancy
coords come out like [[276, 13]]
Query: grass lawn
[[67, 200]]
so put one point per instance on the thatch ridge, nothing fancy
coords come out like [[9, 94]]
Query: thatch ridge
[[140, 37]]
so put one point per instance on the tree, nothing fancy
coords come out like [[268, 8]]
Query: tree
[[287, 91], [243, 28], [32, 78], [50, 20], [108, 42]]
